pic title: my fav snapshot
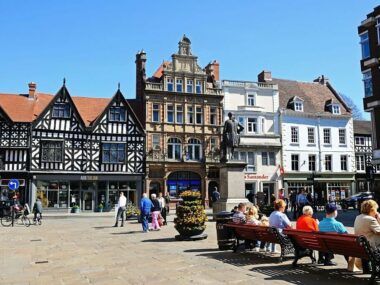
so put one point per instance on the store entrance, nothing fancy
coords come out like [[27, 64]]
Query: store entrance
[[88, 200]]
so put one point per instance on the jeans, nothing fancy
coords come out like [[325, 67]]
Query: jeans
[[120, 213], [144, 221], [155, 224]]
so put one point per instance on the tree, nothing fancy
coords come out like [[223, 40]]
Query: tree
[[357, 113]]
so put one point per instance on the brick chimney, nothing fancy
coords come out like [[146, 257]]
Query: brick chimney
[[140, 74], [212, 69], [32, 90], [264, 76], [321, 80]]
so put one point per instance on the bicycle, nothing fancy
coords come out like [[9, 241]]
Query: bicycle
[[20, 218]]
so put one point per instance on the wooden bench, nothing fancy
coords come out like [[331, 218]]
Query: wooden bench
[[261, 233], [342, 244]]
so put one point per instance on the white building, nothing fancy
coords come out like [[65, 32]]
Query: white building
[[316, 129], [256, 106]]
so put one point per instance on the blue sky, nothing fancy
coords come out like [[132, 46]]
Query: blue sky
[[93, 43]]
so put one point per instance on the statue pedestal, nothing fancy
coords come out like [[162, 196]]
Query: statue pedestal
[[232, 186]]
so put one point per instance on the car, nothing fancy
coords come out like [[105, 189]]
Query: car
[[355, 200]]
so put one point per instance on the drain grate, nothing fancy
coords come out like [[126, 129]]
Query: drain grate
[[36, 240], [41, 262]]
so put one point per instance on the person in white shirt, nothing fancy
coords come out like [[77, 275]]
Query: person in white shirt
[[120, 212], [162, 202]]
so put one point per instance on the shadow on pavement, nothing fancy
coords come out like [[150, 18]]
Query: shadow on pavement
[[127, 233], [202, 250], [303, 274], [160, 240], [102, 228]]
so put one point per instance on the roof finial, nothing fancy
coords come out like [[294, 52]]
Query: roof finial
[[64, 81], [118, 86]]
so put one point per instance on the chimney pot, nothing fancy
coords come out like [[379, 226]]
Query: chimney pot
[[264, 76], [32, 90]]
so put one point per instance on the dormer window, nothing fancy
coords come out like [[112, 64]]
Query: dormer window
[[117, 114], [61, 110], [251, 99], [335, 109], [298, 106]]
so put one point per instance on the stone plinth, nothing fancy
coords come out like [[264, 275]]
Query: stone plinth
[[232, 186]]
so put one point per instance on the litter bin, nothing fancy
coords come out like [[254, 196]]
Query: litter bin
[[225, 236]]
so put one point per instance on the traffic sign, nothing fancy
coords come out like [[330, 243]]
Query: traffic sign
[[13, 184]]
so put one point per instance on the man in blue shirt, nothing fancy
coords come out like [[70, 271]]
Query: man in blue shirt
[[145, 207], [330, 225]]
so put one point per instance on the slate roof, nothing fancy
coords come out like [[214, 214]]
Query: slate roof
[[314, 95], [362, 127]]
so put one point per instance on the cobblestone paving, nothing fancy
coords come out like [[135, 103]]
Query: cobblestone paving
[[88, 250]]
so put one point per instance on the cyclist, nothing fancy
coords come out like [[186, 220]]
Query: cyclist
[[37, 209]]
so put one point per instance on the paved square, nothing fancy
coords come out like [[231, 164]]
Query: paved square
[[88, 250]]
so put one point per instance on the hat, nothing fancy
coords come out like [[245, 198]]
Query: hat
[[330, 208]]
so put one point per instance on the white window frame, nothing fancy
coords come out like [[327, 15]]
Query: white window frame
[[294, 135], [358, 141], [190, 115], [189, 84], [360, 162], [170, 109], [331, 162], [213, 115], [170, 82], [179, 111], [156, 110], [366, 40], [268, 158], [176, 143], [198, 86], [179, 82], [335, 109], [367, 83], [293, 160], [197, 112], [312, 161], [378, 29], [244, 156], [156, 141], [213, 143], [251, 99], [343, 162], [325, 137], [194, 148], [298, 106], [252, 125], [311, 135], [342, 136]]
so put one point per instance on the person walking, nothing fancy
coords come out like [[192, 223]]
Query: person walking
[[301, 201], [145, 208], [215, 195], [162, 202], [156, 210], [120, 212], [37, 209]]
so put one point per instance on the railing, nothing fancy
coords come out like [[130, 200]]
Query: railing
[[248, 84], [214, 91], [153, 86]]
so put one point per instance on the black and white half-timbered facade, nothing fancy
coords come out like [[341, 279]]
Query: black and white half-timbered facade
[[77, 150], [367, 175]]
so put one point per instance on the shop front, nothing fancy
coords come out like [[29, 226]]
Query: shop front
[[21, 192], [88, 192], [260, 187]]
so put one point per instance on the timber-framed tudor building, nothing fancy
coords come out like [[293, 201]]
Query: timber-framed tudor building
[[70, 150]]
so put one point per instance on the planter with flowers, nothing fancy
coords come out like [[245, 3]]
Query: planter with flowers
[[191, 217]]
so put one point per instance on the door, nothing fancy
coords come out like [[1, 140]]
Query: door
[[88, 201]]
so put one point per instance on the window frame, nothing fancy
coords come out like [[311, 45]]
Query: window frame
[[194, 150], [335, 109], [298, 106], [170, 113], [117, 151], [190, 115], [343, 162], [179, 83], [251, 99], [213, 115], [200, 114], [364, 43], [344, 136], [311, 135], [268, 158], [295, 163], [156, 145], [155, 111], [360, 138], [117, 114], [175, 144], [61, 110], [360, 161], [198, 86], [325, 136], [170, 84], [49, 146], [253, 125], [312, 162], [367, 83], [328, 162], [179, 111], [294, 135], [189, 85], [378, 30]]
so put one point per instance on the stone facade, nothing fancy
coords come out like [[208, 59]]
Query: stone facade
[[182, 113]]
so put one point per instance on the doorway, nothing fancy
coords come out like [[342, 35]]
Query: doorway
[[211, 186], [88, 201]]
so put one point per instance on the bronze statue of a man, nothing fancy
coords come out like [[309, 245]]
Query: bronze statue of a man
[[231, 131]]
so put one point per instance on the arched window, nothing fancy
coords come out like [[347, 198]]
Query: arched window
[[194, 149], [174, 148]]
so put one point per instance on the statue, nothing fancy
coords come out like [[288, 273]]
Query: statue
[[231, 131]]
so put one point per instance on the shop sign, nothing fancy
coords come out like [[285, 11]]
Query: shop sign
[[89, 178], [256, 177]]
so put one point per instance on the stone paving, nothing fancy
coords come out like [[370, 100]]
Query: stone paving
[[88, 250]]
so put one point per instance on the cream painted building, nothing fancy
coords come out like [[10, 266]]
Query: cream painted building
[[255, 105]]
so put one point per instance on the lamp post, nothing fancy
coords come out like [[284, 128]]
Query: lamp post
[[313, 181]]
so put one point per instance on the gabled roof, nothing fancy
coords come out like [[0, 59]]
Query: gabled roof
[[362, 127], [314, 94], [90, 108]]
